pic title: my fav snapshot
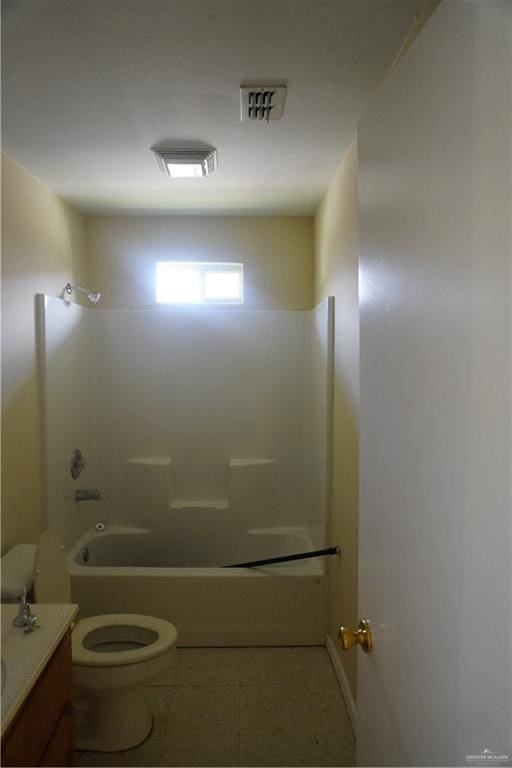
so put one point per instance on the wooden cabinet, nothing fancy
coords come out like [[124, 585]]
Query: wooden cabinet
[[42, 731]]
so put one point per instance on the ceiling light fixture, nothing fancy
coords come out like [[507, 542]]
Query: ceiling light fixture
[[186, 163]]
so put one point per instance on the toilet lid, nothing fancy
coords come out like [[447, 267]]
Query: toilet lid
[[51, 574]]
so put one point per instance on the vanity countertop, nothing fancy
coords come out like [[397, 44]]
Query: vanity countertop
[[26, 655]]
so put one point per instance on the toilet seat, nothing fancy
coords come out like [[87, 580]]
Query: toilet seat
[[151, 636], [164, 634], [51, 580]]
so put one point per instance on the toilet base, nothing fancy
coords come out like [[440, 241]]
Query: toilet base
[[112, 720]]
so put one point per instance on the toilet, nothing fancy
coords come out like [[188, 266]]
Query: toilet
[[114, 657]]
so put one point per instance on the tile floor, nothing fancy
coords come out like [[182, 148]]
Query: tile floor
[[243, 707]]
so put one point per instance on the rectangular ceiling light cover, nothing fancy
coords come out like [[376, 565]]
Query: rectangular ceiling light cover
[[186, 163]]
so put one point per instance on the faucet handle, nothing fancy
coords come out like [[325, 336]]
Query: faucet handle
[[19, 621], [25, 617], [78, 463], [23, 600]]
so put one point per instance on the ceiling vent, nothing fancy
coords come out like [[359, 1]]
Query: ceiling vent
[[262, 102]]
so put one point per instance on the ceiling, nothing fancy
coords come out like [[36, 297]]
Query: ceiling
[[90, 85]]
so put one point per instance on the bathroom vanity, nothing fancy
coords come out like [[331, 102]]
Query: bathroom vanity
[[37, 713]]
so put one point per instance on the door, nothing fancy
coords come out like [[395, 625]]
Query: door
[[435, 544]]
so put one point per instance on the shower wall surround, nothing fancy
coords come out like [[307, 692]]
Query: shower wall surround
[[214, 417], [65, 342]]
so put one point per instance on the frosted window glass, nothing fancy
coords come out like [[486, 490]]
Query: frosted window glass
[[222, 286], [198, 283], [177, 284]]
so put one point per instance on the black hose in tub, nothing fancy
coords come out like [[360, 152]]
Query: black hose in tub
[[287, 558]]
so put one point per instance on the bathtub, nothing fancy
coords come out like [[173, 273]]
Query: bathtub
[[136, 570]]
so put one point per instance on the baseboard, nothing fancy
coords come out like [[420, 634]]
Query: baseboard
[[343, 681]]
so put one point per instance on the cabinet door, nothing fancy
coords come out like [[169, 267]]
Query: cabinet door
[[59, 750], [33, 727]]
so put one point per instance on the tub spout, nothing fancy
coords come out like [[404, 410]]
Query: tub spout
[[83, 494]]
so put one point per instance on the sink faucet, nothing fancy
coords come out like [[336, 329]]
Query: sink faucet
[[83, 494], [25, 617]]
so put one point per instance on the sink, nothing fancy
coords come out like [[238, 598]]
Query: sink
[[3, 675]]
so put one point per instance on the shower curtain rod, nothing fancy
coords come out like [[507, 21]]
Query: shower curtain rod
[[287, 558]]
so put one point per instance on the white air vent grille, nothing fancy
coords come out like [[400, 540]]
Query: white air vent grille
[[262, 102]]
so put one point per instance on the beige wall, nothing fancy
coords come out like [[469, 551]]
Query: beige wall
[[277, 253], [336, 230], [42, 248]]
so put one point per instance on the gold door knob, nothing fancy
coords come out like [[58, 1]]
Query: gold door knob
[[348, 638]]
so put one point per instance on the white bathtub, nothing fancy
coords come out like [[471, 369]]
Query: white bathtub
[[139, 571]]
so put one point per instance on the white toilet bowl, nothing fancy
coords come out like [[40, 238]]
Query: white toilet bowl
[[114, 656]]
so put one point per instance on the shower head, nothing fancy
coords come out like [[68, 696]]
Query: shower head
[[93, 296]]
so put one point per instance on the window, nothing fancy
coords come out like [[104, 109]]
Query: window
[[192, 282]]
